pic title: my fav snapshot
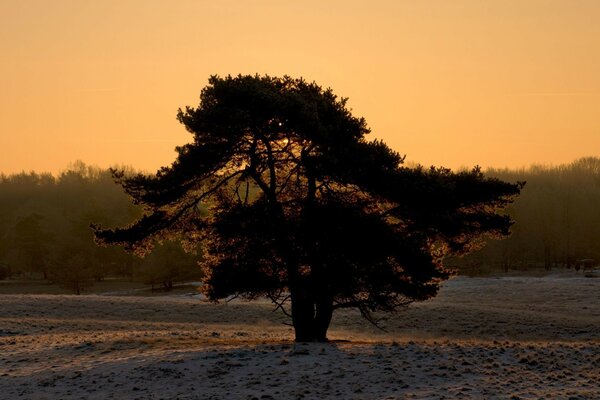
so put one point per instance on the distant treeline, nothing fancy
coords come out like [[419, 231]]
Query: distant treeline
[[557, 219], [45, 233]]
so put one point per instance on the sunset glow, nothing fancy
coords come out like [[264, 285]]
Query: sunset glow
[[460, 83]]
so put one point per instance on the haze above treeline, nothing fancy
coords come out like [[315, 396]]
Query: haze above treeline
[[45, 233]]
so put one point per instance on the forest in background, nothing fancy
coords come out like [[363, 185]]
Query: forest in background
[[45, 233], [557, 220]]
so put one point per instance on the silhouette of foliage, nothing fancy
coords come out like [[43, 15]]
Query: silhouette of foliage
[[302, 206]]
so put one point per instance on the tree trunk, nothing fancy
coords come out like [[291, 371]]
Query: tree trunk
[[311, 317], [324, 312], [302, 315]]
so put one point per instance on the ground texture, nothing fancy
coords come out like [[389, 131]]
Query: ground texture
[[481, 338]]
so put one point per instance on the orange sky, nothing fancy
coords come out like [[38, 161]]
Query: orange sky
[[453, 83]]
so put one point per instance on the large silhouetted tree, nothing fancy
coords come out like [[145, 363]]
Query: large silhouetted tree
[[302, 206]]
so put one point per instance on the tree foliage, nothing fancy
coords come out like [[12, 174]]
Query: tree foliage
[[300, 202], [31, 244], [169, 264]]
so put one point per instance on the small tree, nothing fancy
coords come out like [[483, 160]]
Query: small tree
[[73, 267], [303, 207], [4, 271], [168, 264], [31, 245]]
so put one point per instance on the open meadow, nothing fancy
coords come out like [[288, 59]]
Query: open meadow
[[482, 338]]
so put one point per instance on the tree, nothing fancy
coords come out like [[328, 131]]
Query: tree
[[31, 244], [73, 267], [168, 264], [301, 206]]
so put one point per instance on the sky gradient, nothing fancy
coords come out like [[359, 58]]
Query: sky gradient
[[454, 83]]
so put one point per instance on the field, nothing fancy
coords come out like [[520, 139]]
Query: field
[[494, 337]]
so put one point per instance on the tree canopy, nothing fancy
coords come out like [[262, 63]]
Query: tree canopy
[[292, 201]]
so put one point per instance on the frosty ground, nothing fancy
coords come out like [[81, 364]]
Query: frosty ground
[[495, 337]]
